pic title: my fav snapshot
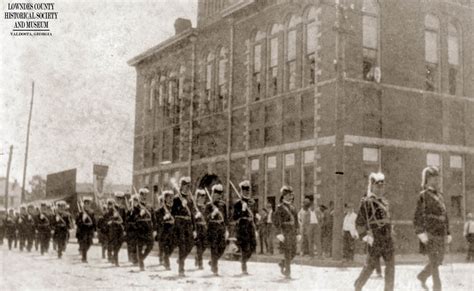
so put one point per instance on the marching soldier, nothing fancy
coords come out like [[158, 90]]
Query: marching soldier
[[15, 238], [31, 227], [63, 223], [36, 217], [102, 233], [130, 229], [201, 230], [86, 225], [431, 226], [184, 221], [244, 217], [216, 216], [22, 227], [165, 228], [116, 226], [2, 228], [10, 227], [43, 226], [142, 227], [287, 226], [374, 226]]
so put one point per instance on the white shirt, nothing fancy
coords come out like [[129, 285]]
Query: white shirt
[[269, 216], [468, 227], [349, 224], [313, 219]]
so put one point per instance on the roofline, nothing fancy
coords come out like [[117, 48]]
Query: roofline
[[163, 45]]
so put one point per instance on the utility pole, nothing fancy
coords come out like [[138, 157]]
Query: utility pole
[[339, 140], [8, 177], [27, 143]]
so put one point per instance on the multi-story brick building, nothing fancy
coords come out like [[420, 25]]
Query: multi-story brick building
[[315, 95]]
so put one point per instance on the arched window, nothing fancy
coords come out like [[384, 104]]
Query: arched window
[[257, 87], [432, 52], [209, 75], [311, 33], [152, 93], [173, 103], [161, 90], [454, 56], [222, 81], [291, 48], [370, 41], [274, 46]]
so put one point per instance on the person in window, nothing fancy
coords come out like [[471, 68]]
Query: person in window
[[469, 235], [431, 226]]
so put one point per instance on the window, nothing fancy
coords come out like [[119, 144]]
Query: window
[[222, 81], [257, 71], [152, 94], [290, 170], [146, 180], [431, 52], [455, 162], [308, 157], [274, 55], [255, 165], [369, 38], [291, 52], [271, 162], [370, 155], [307, 116], [453, 57], [311, 46], [289, 160], [209, 76], [433, 160]]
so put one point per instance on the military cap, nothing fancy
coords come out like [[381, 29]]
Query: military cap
[[217, 188], [286, 189], [185, 180], [87, 199], [135, 197], [110, 201], [200, 192], [119, 194], [61, 203], [244, 184], [167, 193], [42, 203], [428, 172], [376, 178], [143, 191]]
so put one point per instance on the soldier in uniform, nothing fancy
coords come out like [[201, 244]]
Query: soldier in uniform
[[142, 227], [431, 226], [131, 233], [217, 233], [2, 228], [22, 227], [36, 217], [86, 225], [10, 227], [165, 228], [43, 226], [243, 215], [287, 226], [15, 238], [116, 226], [62, 225], [182, 211], [102, 233], [30, 227], [374, 227], [201, 227]]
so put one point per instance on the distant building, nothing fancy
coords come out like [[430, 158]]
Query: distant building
[[14, 194]]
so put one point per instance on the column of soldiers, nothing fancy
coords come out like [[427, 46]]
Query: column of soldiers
[[184, 220]]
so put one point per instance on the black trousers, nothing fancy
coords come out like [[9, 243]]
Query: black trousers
[[288, 246], [44, 237], [380, 249], [246, 241], [348, 246], [29, 241], [216, 239], [185, 240], [435, 249], [144, 247], [470, 250], [22, 239]]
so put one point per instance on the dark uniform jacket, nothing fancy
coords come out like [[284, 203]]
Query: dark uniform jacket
[[181, 212], [164, 226], [141, 223], [62, 225], [85, 228], [43, 224], [10, 226], [374, 217], [286, 220], [221, 216], [245, 222], [430, 215]]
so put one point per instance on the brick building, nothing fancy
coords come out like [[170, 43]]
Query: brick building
[[314, 95]]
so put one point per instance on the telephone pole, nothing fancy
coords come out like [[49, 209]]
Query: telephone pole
[[8, 178], [339, 191], [27, 143]]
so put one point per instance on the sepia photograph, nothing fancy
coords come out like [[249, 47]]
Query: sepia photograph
[[237, 145]]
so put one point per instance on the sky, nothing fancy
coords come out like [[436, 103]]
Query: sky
[[84, 96]]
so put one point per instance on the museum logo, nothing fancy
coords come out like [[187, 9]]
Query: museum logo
[[30, 19]]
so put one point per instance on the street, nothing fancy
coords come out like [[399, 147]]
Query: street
[[31, 271]]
